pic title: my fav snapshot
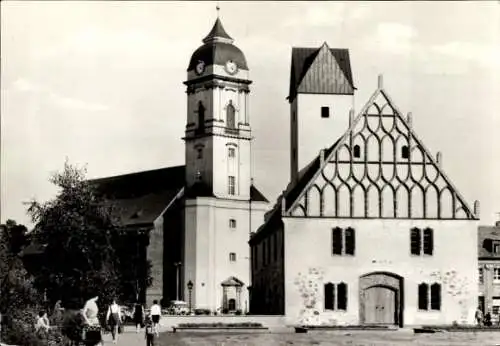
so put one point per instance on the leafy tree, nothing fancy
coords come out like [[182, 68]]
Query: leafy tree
[[78, 228]]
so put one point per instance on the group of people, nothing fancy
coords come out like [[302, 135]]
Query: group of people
[[92, 330], [487, 319]]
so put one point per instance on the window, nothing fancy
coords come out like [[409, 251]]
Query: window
[[200, 153], [429, 298], [230, 115], [232, 223], [343, 241], [496, 274], [232, 257], [421, 242], [405, 153], [325, 112], [332, 291], [231, 152], [495, 305], [357, 151], [230, 185], [481, 276], [201, 117]]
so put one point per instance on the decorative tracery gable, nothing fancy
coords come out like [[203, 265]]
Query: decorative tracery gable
[[380, 169]]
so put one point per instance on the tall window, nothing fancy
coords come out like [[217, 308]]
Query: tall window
[[429, 297], [230, 115], [232, 223], [421, 242], [338, 291], [481, 275], [357, 151], [496, 274], [232, 257], [325, 112], [231, 152], [231, 185], [343, 241], [201, 117], [405, 152]]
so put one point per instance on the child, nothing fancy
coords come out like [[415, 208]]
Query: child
[[150, 332]]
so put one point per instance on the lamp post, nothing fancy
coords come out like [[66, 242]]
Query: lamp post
[[177, 279], [190, 289]]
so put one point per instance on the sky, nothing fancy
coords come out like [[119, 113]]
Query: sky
[[100, 83]]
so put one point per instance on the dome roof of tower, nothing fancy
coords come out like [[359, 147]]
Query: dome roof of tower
[[217, 49]]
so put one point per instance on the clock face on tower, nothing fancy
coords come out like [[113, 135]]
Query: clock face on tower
[[200, 67], [231, 67]]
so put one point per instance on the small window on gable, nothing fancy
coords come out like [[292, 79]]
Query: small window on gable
[[232, 257], [232, 223], [357, 151], [405, 152], [343, 241], [231, 152], [325, 112]]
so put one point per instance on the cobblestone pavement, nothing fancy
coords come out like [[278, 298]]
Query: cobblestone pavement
[[344, 338]]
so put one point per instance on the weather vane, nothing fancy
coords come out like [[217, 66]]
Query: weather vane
[[217, 7]]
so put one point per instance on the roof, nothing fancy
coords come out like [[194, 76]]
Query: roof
[[485, 237], [334, 71], [217, 32], [139, 198], [217, 49]]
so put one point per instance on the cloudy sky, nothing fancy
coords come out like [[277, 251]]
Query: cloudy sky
[[101, 83]]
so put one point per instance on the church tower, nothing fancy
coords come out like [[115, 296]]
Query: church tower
[[221, 204]]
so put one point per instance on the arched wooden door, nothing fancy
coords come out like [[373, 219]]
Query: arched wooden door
[[381, 299], [380, 305]]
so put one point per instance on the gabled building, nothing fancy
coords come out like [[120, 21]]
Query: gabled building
[[489, 268], [371, 230]]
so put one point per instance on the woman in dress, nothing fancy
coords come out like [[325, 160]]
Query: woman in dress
[[138, 316], [114, 318], [92, 329]]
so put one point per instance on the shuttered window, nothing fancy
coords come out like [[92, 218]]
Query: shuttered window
[[329, 296], [337, 241], [349, 241], [423, 296], [435, 296], [428, 241], [342, 296], [415, 243]]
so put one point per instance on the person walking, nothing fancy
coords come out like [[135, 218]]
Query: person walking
[[150, 333], [138, 316], [114, 318], [155, 316], [92, 330]]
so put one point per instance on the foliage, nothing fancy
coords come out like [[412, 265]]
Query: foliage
[[85, 254]]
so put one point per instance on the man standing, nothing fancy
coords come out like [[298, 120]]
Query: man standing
[[155, 315]]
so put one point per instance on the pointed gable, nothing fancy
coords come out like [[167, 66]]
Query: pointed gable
[[379, 169], [321, 71]]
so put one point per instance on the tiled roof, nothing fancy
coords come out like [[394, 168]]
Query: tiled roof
[[217, 32], [485, 235], [303, 58], [139, 198]]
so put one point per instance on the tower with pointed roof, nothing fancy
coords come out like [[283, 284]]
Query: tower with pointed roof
[[320, 96], [221, 205]]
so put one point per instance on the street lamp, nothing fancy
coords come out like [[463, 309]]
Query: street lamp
[[190, 289], [177, 279]]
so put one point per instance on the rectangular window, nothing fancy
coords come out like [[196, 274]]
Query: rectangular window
[[335, 296], [423, 299], [343, 241], [428, 241], [232, 257], [329, 291], [481, 276], [496, 274], [435, 296], [231, 185], [231, 152], [429, 298], [325, 112], [342, 296], [481, 303], [415, 243], [232, 223]]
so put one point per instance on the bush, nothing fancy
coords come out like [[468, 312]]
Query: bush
[[238, 312]]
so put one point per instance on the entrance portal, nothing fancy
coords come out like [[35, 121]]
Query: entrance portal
[[381, 299]]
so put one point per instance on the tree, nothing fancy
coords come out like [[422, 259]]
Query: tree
[[78, 229]]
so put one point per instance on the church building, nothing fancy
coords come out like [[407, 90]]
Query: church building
[[199, 216], [370, 230]]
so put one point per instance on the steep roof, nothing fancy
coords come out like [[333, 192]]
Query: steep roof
[[485, 237], [217, 32], [139, 198], [314, 71]]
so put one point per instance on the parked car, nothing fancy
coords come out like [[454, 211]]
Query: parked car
[[178, 307]]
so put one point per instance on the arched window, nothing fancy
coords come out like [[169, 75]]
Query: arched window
[[201, 117], [435, 296], [230, 113], [423, 296], [357, 151], [342, 296], [232, 305]]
